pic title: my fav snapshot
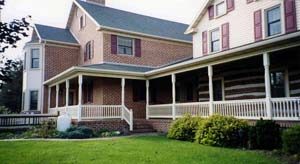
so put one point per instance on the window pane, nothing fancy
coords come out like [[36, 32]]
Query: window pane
[[215, 35], [125, 46], [33, 100], [216, 46], [277, 84], [35, 63], [274, 22], [35, 53], [274, 28], [35, 58], [221, 9]]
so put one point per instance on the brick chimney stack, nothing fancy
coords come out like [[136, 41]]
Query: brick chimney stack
[[101, 2]]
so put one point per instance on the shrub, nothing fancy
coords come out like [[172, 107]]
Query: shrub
[[291, 140], [222, 131], [46, 130], [6, 135], [77, 132], [265, 135], [184, 128]]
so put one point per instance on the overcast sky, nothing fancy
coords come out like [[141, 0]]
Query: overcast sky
[[55, 12]]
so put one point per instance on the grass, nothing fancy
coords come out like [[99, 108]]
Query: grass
[[147, 149]]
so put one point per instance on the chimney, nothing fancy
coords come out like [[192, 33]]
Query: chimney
[[101, 2]]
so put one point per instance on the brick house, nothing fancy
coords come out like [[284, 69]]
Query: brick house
[[238, 58]]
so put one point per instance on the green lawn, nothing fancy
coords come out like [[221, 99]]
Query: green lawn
[[148, 149]]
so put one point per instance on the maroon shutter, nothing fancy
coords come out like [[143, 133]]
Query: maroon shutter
[[225, 36], [257, 25], [84, 53], [138, 50], [230, 5], [114, 44], [204, 42], [211, 12], [290, 16], [249, 1]]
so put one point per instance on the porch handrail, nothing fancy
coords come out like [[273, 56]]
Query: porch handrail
[[100, 111], [128, 117]]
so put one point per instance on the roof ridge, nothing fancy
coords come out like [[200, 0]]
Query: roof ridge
[[132, 12]]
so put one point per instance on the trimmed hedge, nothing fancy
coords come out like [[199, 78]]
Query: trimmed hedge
[[223, 131], [291, 140], [184, 128], [265, 135], [77, 132]]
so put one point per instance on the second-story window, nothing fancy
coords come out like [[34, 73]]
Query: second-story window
[[220, 9], [273, 21], [125, 46], [215, 40], [81, 22], [88, 50], [35, 58]]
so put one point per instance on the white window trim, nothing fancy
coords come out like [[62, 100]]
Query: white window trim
[[215, 11], [133, 46], [210, 40], [31, 58], [265, 23], [223, 86]]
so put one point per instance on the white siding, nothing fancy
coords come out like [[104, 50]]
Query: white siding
[[241, 23], [33, 78]]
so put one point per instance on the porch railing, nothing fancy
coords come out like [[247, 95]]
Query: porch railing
[[281, 109], [285, 109], [128, 117], [93, 112], [101, 111], [24, 119], [244, 109], [195, 109]]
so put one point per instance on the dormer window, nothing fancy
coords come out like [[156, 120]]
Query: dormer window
[[273, 21], [220, 9]]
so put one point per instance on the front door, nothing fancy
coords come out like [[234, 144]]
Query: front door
[[278, 83]]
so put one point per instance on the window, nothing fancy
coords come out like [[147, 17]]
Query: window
[[88, 97], [277, 84], [220, 9], [139, 91], [88, 50], [215, 40], [125, 46], [33, 100], [81, 22], [273, 21], [35, 58], [218, 90]]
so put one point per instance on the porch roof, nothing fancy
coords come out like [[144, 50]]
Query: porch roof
[[119, 67]]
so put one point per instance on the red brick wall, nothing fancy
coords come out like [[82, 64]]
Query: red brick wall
[[59, 59], [154, 52], [111, 125]]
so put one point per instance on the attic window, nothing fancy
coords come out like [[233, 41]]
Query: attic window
[[81, 22]]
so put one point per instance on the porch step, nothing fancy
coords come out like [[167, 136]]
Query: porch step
[[142, 126]]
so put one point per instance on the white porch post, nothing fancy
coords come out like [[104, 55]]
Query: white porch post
[[147, 99], [211, 92], [173, 96], [123, 96], [67, 93], [79, 96], [266, 58], [49, 98], [57, 95]]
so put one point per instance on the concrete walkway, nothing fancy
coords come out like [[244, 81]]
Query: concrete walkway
[[88, 139]]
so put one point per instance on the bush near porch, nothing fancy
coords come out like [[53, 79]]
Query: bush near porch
[[226, 131]]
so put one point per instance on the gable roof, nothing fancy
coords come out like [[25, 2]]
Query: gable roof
[[191, 29], [119, 20], [54, 34]]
